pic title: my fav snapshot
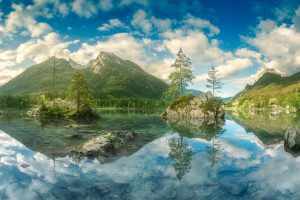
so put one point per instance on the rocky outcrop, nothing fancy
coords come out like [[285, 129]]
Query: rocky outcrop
[[292, 140], [107, 146], [189, 108]]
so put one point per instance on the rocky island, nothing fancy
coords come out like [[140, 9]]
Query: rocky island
[[202, 109]]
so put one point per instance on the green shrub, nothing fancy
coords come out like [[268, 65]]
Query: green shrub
[[182, 101]]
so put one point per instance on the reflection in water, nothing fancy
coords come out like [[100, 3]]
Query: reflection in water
[[212, 153], [181, 154], [240, 167], [268, 127]]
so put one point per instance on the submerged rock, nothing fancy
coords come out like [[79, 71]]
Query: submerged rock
[[106, 145], [292, 140], [189, 108]]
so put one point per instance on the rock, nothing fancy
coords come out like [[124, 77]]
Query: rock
[[292, 139], [76, 136], [106, 144], [25, 166], [188, 108]]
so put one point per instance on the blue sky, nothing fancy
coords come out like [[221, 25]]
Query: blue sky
[[240, 38]]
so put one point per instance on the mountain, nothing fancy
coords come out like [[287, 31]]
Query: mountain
[[75, 65], [193, 91], [270, 88], [39, 78], [108, 76], [113, 77]]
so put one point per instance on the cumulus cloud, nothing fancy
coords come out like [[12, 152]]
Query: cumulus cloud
[[84, 8], [196, 45], [280, 47], [128, 2], [296, 19], [199, 23], [229, 68], [106, 4], [12, 62], [140, 21], [112, 24], [23, 18]]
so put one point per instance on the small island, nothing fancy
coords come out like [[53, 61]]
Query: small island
[[77, 105]]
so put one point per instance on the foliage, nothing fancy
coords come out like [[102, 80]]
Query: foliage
[[213, 81], [213, 105], [79, 92], [181, 153], [84, 114], [269, 88], [38, 79], [267, 126], [182, 101], [182, 76]]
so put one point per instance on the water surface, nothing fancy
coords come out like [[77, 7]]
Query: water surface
[[243, 159]]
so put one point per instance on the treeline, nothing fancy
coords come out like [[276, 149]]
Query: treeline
[[20, 102], [27, 101], [130, 103]]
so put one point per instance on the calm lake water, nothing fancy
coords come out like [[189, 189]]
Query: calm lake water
[[243, 159]]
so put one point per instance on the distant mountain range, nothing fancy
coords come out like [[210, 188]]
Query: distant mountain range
[[108, 76], [271, 89]]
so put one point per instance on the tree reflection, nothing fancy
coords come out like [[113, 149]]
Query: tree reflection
[[213, 151], [209, 132], [181, 154]]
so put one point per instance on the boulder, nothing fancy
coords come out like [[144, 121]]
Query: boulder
[[106, 144], [292, 139], [188, 108]]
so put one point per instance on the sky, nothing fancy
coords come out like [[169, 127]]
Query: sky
[[241, 38]]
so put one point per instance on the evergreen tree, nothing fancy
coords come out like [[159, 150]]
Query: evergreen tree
[[181, 154], [213, 80], [79, 91], [182, 76]]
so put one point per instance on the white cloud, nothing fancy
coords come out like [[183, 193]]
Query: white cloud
[[199, 23], [141, 21], [197, 46], [112, 23], [128, 2], [106, 4], [84, 8], [246, 53], [280, 48], [266, 25], [233, 66], [229, 68], [12, 62], [23, 18], [296, 19]]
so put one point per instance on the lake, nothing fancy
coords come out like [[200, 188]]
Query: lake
[[242, 159]]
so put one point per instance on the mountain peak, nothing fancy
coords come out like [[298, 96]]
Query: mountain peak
[[75, 64], [269, 71], [103, 59], [108, 56]]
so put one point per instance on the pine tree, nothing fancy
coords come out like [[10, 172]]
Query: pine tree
[[182, 76], [79, 91], [213, 80]]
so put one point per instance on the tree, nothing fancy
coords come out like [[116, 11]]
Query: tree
[[181, 154], [182, 76], [213, 105], [213, 80], [79, 91]]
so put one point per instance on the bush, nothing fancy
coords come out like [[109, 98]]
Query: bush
[[213, 105], [182, 101]]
